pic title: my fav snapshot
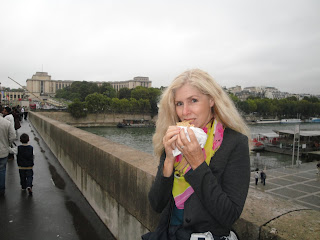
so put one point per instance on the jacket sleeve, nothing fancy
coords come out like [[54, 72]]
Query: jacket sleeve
[[13, 150], [12, 134], [224, 198], [161, 191]]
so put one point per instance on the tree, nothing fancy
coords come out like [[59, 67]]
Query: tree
[[244, 106], [140, 93], [95, 103], [154, 95], [234, 99], [124, 105], [77, 109], [109, 91], [115, 105], [144, 105], [252, 105], [134, 105], [124, 93]]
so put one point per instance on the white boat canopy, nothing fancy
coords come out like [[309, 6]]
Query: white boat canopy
[[302, 133], [269, 135]]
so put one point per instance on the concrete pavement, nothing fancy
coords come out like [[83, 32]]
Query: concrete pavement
[[57, 209], [300, 185]]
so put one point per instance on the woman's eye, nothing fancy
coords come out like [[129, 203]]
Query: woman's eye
[[194, 100], [179, 104]]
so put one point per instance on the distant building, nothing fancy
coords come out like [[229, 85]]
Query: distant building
[[255, 90], [11, 98], [243, 95], [42, 86], [137, 81], [235, 89]]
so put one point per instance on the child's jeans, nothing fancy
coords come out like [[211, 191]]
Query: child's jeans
[[26, 178]]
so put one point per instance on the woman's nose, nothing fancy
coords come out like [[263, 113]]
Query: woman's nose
[[186, 110]]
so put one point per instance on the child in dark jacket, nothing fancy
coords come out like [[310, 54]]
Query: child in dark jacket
[[25, 162]]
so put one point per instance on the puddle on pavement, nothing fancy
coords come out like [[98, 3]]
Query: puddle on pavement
[[57, 179]]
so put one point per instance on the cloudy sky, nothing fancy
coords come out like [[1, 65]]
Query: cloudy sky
[[248, 43]]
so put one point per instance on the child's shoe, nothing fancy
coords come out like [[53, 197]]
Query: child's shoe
[[29, 190]]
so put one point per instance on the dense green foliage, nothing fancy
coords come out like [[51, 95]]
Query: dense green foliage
[[104, 99], [283, 108], [77, 109], [91, 98]]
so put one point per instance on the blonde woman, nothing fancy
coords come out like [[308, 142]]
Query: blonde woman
[[201, 191]]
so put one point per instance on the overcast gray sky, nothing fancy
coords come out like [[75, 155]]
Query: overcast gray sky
[[248, 43]]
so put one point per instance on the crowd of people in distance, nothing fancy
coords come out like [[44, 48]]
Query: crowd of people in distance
[[10, 119]]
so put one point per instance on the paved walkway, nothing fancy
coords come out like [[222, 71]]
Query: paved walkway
[[300, 185], [57, 209]]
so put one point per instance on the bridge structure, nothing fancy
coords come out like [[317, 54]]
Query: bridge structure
[[85, 186]]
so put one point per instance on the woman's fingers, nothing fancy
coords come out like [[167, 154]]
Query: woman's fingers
[[169, 140]]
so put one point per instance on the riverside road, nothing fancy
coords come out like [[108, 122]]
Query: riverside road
[[57, 209]]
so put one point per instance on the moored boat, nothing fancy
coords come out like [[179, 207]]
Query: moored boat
[[261, 140], [264, 121], [134, 123], [314, 120], [306, 140], [291, 120]]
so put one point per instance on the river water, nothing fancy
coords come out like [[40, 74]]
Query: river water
[[141, 139]]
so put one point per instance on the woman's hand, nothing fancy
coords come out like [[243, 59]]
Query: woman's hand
[[169, 143], [190, 150]]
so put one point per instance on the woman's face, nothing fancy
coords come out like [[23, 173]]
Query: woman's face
[[192, 105]]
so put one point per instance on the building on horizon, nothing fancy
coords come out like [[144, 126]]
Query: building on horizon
[[12, 98], [41, 85]]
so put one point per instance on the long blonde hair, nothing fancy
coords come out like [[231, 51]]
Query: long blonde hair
[[224, 109]]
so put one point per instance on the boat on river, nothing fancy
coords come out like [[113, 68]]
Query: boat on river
[[291, 120], [308, 142], [134, 123], [264, 121], [261, 140], [313, 120]]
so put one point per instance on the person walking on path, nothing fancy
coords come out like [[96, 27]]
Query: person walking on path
[[256, 176], [26, 110], [21, 113], [25, 160], [263, 177], [318, 167], [7, 114], [7, 136]]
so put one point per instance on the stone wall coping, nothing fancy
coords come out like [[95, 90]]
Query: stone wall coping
[[264, 216]]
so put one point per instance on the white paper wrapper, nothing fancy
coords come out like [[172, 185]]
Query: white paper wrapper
[[200, 135]]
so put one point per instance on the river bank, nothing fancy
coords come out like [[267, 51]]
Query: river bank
[[141, 139]]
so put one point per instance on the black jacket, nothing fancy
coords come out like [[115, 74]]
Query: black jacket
[[25, 156], [220, 189]]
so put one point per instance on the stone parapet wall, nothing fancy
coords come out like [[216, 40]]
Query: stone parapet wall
[[99, 119], [115, 179]]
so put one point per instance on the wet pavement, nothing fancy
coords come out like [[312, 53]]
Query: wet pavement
[[300, 185], [56, 210]]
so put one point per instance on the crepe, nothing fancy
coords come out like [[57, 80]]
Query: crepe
[[200, 135], [184, 124]]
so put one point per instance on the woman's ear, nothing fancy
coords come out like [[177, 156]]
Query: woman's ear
[[211, 102]]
